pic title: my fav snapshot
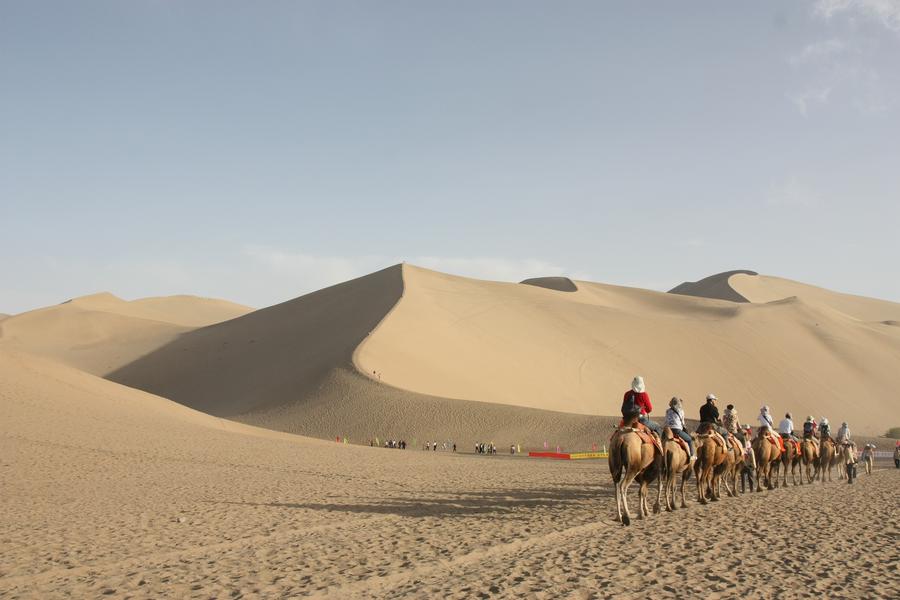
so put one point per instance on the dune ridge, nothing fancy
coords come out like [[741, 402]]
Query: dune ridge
[[716, 286], [395, 350], [101, 332]]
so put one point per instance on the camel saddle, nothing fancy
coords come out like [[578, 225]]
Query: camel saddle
[[776, 440], [796, 447], [682, 443], [645, 434]]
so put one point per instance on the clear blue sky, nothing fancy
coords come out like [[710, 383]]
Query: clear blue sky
[[259, 150]]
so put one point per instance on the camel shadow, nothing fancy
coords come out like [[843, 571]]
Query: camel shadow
[[462, 504]]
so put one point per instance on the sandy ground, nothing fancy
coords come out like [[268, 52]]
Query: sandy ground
[[110, 491]]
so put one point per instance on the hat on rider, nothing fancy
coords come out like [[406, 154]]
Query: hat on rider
[[810, 419], [764, 409], [710, 397], [844, 424], [824, 421], [637, 384], [787, 415]]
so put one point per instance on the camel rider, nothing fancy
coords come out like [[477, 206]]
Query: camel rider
[[786, 428], [637, 402], [731, 423], [809, 430], [765, 419], [843, 435], [809, 427], [709, 417], [824, 430], [675, 422]]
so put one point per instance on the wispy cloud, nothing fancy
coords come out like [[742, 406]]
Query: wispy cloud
[[886, 12], [807, 98], [817, 51], [792, 192]]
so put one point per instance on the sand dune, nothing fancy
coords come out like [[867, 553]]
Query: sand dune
[[101, 332], [560, 284], [109, 491], [715, 286], [425, 340]]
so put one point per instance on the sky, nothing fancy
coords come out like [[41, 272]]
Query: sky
[[257, 151]]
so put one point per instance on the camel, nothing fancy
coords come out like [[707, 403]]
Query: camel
[[790, 457], [767, 455], [709, 456], [826, 458], [731, 466], [676, 461], [630, 460], [809, 453]]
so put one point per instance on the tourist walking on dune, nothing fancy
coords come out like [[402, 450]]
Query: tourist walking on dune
[[636, 402]]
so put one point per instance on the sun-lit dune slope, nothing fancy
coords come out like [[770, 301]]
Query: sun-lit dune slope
[[764, 288], [714, 286], [100, 333], [438, 341], [748, 286]]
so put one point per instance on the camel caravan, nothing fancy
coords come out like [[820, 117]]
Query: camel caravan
[[719, 453]]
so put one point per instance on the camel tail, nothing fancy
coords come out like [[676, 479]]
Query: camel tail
[[623, 460], [667, 464]]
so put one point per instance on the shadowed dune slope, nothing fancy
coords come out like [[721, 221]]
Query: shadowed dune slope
[[439, 342], [101, 332], [560, 284], [715, 286], [271, 357]]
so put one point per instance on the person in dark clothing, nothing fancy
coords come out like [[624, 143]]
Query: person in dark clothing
[[709, 416]]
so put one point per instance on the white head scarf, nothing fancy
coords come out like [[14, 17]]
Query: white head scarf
[[637, 384]]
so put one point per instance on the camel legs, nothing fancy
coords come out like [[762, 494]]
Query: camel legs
[[684, 477], [622, 489]]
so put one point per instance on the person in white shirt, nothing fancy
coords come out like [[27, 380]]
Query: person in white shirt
[[786, 428], [675, 422], [765, 419], [843, 434]]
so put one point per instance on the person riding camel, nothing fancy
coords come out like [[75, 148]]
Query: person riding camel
[[843, 435], [786, 428], [675, 422], [731, 423], [709, 417], [766, 425], [824, 430], [809, 431], [636, 402]]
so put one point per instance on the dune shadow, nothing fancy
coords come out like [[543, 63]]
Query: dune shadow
[[485, 502]]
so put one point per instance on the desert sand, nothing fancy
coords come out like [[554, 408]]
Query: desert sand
[[112, 491], [190, 481]]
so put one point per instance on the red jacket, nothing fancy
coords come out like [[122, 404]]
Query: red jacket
[[641, 399]]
